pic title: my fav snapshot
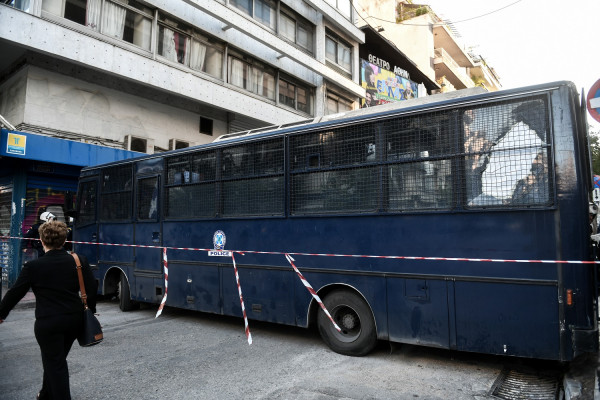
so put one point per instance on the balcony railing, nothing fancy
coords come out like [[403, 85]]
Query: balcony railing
[[441, 56]]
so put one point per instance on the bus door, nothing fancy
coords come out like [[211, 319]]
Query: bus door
[[148, 232], [86, 227]]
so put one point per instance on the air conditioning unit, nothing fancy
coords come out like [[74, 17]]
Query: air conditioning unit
[[175, 144], [134, 143]]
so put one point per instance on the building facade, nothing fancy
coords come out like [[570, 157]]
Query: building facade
[[161, 74], [429, 42]]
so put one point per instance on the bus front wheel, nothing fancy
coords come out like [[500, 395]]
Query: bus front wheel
[[125, 302], [353, 315]]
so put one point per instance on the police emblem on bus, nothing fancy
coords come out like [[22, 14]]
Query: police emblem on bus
[[219, 240]]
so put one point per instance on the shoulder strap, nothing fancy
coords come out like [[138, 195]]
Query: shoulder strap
[[81, 284]]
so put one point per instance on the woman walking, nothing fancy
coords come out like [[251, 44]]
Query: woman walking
[[59, 310]]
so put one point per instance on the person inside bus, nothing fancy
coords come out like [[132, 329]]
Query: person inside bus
[[33, 233], [478, 147], [533, 188], [58, 310]]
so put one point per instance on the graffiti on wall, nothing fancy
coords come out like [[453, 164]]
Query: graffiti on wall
[[383, 86], [38, 201]]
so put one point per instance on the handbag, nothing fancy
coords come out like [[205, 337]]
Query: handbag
[[91, 333]]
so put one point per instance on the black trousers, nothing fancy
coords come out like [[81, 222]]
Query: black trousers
[[55, 335]]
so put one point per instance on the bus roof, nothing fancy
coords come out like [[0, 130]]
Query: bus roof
[[436, 101]]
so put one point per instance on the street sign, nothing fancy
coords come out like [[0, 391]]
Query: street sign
[[593, 101]]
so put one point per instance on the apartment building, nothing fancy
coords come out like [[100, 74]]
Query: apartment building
[[430, 42], [160, 74]]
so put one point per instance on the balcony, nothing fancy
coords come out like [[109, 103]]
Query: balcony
[[446, 66], [486, 76]]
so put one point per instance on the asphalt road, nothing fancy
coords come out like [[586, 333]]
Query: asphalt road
[[191, 355]]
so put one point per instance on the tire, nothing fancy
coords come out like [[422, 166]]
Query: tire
[[353, 315], [125, 302]]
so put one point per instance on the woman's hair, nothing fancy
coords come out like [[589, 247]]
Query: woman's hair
[[53, 234]]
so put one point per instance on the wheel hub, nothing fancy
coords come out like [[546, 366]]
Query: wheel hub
[[348, 321]]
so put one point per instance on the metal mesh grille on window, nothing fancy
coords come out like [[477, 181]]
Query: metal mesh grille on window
[[507, 154], [116, 179], [325, 173], [253, 181], [87, 203], [335, 191], [419, 153], [261, 196], [147, 198], [116, 193], [116, 206], [191, 201], [190, 187]]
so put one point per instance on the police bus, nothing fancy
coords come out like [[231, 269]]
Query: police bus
[[460, 197]]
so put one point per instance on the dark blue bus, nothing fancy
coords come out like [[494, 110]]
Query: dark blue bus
[[502, 176]]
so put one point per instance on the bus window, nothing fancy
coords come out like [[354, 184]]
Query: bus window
[[116, 193], [507, 154], [419, 150], [87, 203], [343, 180], [253, 179], [147, 199], [190, 186]]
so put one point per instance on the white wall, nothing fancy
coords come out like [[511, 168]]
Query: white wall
[[12, 98], [61, 102], [414, 38]]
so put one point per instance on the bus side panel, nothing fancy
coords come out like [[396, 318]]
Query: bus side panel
[[418, 311], [194, 287], [268, 294], [508, 319], [115, 233], [147, 289]]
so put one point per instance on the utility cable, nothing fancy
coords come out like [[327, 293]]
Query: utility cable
[[453, 22]]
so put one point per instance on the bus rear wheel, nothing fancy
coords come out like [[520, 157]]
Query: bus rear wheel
[[353, 315], [124, 295]]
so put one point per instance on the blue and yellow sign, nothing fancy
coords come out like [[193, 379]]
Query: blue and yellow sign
[[16, 144]]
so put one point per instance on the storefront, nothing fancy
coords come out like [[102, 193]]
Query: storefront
[[37, 174]]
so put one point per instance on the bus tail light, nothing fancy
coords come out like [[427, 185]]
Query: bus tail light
[[569, 297]]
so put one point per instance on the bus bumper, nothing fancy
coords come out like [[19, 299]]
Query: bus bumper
[[584, 341]]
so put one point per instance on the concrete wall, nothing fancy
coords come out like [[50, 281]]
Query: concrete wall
[[12, 98], [415, 39], [59, 102]]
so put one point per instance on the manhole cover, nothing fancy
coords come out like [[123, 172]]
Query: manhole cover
[[515, 384]]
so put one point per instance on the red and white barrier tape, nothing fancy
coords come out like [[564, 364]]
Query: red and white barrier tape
[[164, 299], [312, 291], [302, 278], [237, 279], [497, 260]]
